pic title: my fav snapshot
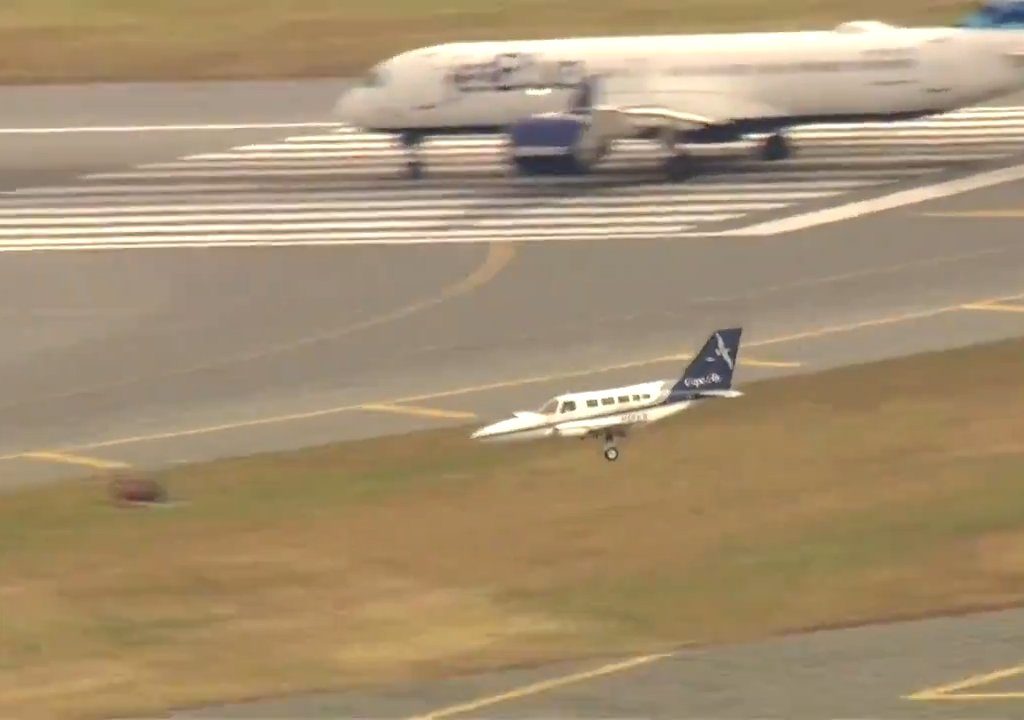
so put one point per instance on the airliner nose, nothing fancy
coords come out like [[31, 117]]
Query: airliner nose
[[346, 107]]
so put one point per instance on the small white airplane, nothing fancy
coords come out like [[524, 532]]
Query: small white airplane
[[612, 412], [563, 103]]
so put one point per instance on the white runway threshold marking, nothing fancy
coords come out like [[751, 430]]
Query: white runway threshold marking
[[336, 185], [894, 200]]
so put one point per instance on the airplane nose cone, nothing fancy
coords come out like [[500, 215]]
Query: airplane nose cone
[[346, 107]]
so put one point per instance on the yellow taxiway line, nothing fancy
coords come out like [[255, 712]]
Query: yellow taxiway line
[[995, 307], [812, 333], [751, 362], [952, 690], [542, 686], [419, 410], [72, 459]]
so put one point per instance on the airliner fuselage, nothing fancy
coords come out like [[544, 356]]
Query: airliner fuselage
[[690, 86]]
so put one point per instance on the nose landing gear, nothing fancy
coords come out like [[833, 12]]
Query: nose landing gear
[[413, 164]]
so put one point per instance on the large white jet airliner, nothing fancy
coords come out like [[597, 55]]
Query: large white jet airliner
[[612, 412], [564, 102]]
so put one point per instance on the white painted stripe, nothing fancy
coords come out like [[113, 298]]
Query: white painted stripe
[[879, 204], [754, 198], [281, 157], [652, 215], [377, 142], [354, 218], [318, 192], [598, 231], [158, 128], [355, 169], [260, 191], [343, 131]]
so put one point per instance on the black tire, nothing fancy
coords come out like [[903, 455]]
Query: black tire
[[776, 147], [679, 167], [414, 170], [611, 454]]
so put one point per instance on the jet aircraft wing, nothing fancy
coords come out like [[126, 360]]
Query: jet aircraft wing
[[681, 104]]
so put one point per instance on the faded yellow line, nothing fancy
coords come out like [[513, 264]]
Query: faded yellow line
[[499, 255], [951, 691], [750, 362], [419, 410], [530, 380], [70, 459], [977, 214], [540, 687], [995, 307]]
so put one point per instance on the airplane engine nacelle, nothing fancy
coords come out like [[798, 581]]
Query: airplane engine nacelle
[[551, 144]]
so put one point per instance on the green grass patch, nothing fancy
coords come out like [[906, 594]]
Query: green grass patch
[[859, 494], [65, 40]]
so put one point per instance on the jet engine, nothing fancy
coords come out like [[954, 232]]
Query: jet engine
[[552, 143]]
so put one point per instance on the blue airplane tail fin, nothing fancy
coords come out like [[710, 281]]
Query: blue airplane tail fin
[[996, 15], [713, 366]]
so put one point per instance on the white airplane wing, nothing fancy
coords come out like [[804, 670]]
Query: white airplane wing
[[679, 103], [615, 424], [621, 108]]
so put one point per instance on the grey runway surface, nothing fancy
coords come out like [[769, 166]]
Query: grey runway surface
[[156, 356], [57, 133], [870, 672]]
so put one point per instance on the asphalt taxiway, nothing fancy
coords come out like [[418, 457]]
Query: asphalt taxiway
[[160, 355], [157, 355]]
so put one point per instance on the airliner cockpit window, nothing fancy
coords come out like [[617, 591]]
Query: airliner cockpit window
[[549, 407], [374, 78]]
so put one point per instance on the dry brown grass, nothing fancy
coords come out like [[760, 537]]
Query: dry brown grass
[[60, 40], [868, 492]]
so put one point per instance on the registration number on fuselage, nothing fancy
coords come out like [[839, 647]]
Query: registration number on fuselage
[[634, 417]]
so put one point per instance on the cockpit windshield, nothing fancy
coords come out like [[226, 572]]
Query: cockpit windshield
[[549, 407], [374, 78]]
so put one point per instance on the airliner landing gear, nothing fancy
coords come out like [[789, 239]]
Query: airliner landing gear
[[678, 164], [776, 147], [611, 453], [413, 165]]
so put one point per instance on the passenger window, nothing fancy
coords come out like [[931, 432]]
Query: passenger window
[[607, 401], [636, 398], [591, 403], [647, 397], [568, 406], [624, 398]]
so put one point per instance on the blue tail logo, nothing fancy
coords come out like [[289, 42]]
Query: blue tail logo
[[996, 14], [713, 366]]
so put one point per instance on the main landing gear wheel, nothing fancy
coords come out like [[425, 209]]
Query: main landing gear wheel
[[679, 166], [414, 169], [776, 147], [611, 454], [413, 165]]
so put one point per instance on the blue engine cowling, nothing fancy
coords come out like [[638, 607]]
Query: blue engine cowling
[[546, 135]]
